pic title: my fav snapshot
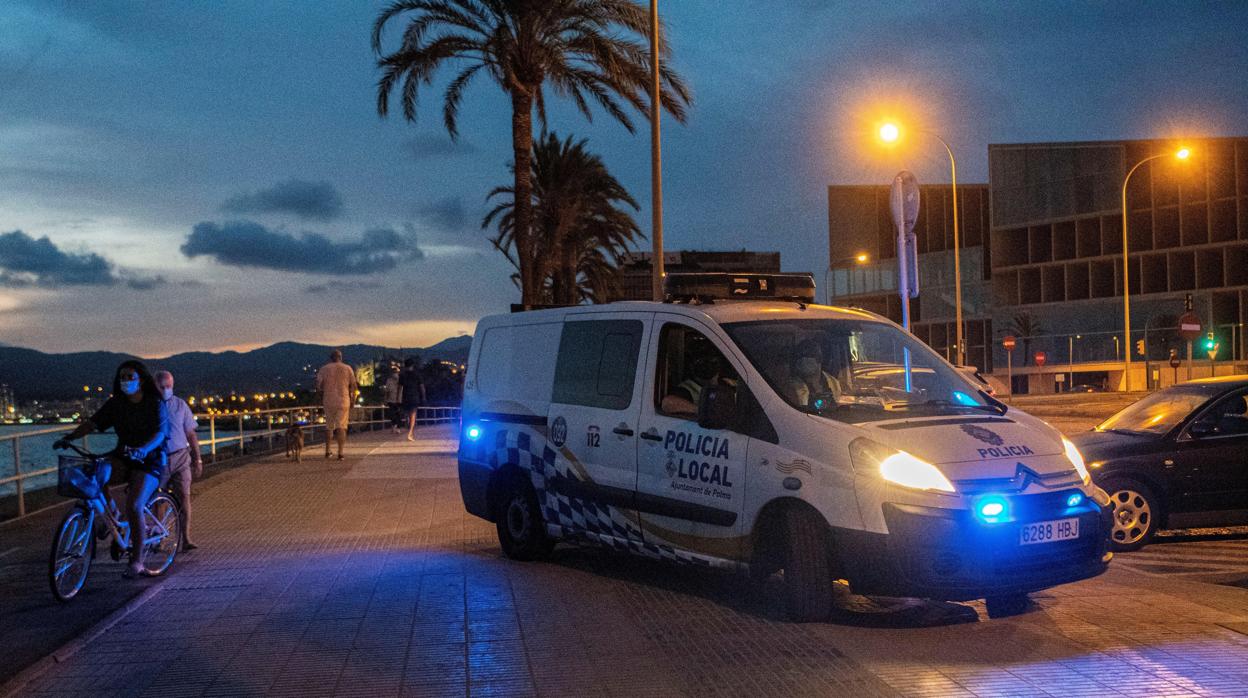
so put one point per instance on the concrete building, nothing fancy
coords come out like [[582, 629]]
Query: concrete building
[[859, 221], [1042, 259], [636, 284]]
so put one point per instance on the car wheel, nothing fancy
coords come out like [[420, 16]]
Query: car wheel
[[521, 529], [1136, 514], [1006, 605], [807, 567]]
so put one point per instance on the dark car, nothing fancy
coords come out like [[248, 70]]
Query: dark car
[[1177, 458]]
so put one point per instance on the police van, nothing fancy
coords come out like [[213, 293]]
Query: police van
[[739, 425]]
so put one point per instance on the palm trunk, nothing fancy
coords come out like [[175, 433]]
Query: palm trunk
[[522, 151]]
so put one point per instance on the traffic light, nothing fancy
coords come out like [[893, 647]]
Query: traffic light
[[1139, 347], [1210, 342]]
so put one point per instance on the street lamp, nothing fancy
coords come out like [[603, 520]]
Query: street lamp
[[859, 258], [656, 166], [1181, 154], [891, 133]]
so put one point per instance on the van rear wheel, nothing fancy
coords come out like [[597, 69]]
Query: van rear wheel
[[807, 567], [521, 529]]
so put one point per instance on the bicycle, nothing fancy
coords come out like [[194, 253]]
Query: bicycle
[[73, 546]]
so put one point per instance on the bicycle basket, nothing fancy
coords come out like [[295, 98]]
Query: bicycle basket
[[75, 477]]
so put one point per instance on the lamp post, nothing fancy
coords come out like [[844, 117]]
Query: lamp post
[[1181, 154], [891, 133], [656, 169]]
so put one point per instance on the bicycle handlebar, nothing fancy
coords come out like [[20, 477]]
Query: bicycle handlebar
[[62, 443]]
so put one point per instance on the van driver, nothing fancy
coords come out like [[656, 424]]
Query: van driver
[[808, 381], [683, 400]]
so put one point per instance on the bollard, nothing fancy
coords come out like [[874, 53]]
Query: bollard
[[241, 450], [212, 436]]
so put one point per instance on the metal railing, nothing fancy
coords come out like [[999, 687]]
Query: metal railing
[[229, 435]]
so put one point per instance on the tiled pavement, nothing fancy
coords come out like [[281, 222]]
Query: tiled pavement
[[367, 578]]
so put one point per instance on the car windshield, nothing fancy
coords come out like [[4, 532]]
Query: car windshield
[[1159, 412], [855, 370]]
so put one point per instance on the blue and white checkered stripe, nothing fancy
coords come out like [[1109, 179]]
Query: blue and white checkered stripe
[[573, 518]]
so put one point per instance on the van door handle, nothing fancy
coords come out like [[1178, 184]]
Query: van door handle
[[622, 430], [651, 435]]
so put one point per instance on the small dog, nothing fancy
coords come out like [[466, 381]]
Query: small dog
[[294, 443]]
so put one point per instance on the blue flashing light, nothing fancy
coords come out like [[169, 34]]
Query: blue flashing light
[[473, 432], [963, 399], [1074, 500], [993, 509]]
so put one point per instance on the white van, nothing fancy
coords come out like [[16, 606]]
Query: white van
[[770, 434]]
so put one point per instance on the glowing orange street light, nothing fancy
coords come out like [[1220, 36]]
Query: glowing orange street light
[[1181, 154], [889, 133]]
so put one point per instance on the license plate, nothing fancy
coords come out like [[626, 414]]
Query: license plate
[[1048, 531]]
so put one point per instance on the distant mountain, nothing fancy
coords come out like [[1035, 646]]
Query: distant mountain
[[34, 375]]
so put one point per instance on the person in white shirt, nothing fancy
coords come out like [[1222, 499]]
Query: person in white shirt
[[182, 445], [335, 381]]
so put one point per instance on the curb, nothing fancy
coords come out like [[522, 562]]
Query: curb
[[14, 686]]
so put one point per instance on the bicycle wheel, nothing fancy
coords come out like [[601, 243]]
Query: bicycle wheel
[[73, 549], [163, 522]]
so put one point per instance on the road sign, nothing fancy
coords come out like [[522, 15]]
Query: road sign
[[1040, 357], [1175, 361], [1189, 326], [1008, 342]]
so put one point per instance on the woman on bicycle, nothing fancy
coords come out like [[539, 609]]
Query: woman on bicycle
[[136, 412]]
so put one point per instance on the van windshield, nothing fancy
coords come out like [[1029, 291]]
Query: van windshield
[[855, 370]]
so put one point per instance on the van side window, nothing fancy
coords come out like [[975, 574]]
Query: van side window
[[597, 363], [687, 363]]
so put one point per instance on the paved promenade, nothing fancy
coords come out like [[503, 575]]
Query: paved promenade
[[366, 577]]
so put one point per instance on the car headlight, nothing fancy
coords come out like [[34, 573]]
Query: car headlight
[[898, 467], [1076, 459]]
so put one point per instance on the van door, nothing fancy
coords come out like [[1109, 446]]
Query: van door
[[690, 480], [593, 426]]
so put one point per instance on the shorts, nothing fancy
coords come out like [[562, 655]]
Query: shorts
[[337, 416], [156, 464]]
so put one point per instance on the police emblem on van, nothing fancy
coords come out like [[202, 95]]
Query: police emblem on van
[[988, 436], [559, 432]]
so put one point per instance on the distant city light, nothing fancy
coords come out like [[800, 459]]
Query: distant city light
[[1183, 153]]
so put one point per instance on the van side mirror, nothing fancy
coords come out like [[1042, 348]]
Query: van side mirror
[[717, 406]]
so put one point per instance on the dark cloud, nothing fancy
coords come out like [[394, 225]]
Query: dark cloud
[[26, 261], [342, 287], [447, 214], [250, 244], [306, 200], [426, 147]]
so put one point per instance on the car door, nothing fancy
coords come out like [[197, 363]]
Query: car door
[[593, 425], [1211, 453], [690, 480]]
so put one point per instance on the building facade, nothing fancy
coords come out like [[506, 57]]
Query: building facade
[[1042, 259], [860, 221]]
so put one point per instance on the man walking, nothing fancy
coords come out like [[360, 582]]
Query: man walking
[[335, 381], [182, 445], [412, 392]]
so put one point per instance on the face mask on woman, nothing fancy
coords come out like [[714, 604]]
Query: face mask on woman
[[130, 387]]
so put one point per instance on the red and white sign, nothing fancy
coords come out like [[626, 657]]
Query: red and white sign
[[1008, 342], [1189, 326], [1040, 358]]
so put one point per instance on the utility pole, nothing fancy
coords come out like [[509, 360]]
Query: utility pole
[[656, 168]]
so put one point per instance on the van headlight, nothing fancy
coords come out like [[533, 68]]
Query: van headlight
[[898, 467], [1076, 459]]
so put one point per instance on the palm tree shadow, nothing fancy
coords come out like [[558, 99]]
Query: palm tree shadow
[[763, 600]]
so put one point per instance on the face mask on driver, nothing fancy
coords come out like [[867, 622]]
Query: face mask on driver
[[166, 393], [807, 365], [130, 387]]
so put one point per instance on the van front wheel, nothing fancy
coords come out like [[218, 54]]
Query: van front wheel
[[807, 567], [521, 529]]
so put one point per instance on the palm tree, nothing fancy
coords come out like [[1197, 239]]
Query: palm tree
[[581, 227], [585, 50], [1026, 327]]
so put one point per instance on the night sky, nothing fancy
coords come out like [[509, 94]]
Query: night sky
[[194, 176]]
